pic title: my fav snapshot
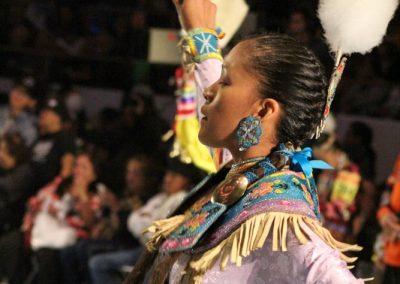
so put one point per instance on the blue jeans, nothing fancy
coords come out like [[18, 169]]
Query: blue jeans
[[105, 268], [74, 259]]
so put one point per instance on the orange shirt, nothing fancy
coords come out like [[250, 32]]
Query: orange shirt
[[392, 249]]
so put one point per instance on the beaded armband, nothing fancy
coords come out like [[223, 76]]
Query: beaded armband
[[199, 45]]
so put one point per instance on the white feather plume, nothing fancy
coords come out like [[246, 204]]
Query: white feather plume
[[355, 25]]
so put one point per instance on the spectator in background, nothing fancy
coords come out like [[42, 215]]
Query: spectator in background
[[53, 152], [18, 115], [15, 183], [21, 35], [347, 201], [106, 268], [337, 189], [108, 125], [142, 125], [68, 39], [358, 145], [76, 112], [110, 233], [138, 34], [62, 213], [367, 92], [300, 27], [389, 218], [140, 132]]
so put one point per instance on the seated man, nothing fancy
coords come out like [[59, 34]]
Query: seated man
[[17, 115], [105, 268], [53, 152]]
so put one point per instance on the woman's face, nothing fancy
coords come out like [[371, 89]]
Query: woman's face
[[48, 120], [19, 99], [84, 169], [228, 101]]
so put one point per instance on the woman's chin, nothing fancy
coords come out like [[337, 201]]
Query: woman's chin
[[204, 137]]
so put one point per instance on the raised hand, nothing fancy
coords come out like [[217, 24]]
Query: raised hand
[[196, 13]]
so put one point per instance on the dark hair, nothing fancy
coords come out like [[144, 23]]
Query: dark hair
[[292, 75], [95, 159], [362, 131], [152, 173], [16, 147], [190, 171]]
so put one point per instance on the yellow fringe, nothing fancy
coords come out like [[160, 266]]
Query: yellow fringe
[[252, 234], [161, 229]]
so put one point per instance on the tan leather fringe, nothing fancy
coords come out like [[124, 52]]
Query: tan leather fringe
[[162, 268], [252, 234], [326, 236], [161, 229]]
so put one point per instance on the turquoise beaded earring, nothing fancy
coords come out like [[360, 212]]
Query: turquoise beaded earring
[[248, 132]]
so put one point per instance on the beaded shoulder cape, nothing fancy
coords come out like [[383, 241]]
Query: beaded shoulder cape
[[278, 201]]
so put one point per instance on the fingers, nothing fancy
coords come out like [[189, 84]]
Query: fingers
[[211, 15], [177, 3], [197, 13]]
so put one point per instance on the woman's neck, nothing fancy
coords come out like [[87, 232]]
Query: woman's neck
[[253, 152]]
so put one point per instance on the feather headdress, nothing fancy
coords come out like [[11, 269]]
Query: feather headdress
[[352, 26]]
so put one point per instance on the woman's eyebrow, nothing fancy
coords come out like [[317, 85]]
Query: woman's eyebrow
[[224, 69]]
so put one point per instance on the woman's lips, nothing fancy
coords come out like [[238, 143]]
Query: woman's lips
[[203, 119]]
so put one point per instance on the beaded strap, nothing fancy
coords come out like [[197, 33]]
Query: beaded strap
[[203, 44], [199, 45]]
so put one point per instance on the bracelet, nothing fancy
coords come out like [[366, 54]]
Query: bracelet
[[203, 44], [199, 45]]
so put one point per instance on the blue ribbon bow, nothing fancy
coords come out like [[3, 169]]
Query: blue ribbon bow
[[301, 161]]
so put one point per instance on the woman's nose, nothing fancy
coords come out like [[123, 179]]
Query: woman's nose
[[209, 93]]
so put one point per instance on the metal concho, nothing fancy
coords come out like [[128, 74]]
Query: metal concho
[[231, 190]]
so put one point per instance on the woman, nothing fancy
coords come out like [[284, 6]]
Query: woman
[[111, 233], [258, 223], [68, 209]]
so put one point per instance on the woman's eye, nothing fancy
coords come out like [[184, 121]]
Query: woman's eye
[[223, 83]]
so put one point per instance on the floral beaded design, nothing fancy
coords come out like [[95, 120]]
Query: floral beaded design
[[248, 133], [197, 223]]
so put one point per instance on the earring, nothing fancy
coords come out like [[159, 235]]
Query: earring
[[248, 132]]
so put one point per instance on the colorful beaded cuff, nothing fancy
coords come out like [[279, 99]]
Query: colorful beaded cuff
[[201, 44]]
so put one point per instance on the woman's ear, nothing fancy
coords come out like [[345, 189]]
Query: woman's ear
[[268, 108]]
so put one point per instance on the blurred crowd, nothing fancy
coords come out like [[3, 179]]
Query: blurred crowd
[[355, 207], [76, 194], [84, 27], [69, 193], [102, 31]]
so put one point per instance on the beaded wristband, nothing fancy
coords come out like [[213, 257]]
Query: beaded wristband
[[203, 44], [199, 45]]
